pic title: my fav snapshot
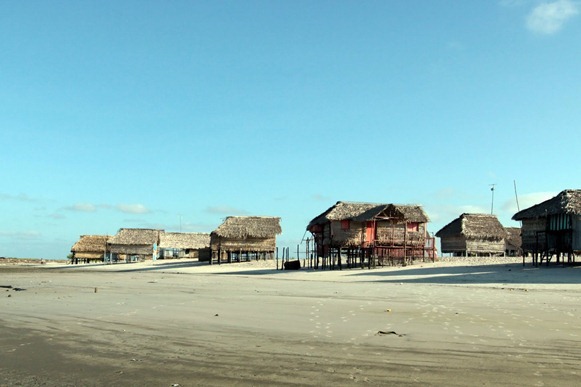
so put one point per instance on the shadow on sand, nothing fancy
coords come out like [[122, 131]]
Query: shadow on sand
[[513, 273], [425, 273], [124, 267], [161, 266]]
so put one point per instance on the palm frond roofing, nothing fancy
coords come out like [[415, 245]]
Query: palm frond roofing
[[90, 243], [361, 212], [184, 240], [566, 202], [481, 226], [513, 236], [135, 236], [249, 226]]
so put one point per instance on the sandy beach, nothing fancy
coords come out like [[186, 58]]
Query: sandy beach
[[454, 322]]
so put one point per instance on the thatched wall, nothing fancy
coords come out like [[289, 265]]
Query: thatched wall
[[247, 244], [335, 235], [576, 243], [485, 247], [200, 254], [386, 234], [536, 237], [184, 245], [459, 245], [533, 234], [397, 234], [146, 251], [89, 256], [513, 245], [453, 244]]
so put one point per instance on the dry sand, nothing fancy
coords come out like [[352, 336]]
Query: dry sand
[[452, 323]]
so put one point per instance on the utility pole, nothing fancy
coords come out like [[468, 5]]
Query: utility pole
[[492, 203], [516, 196]]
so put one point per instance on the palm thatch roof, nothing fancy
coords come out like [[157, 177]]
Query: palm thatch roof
[[90, 243], [184, 240], [474, 226], [135, 236], [409, 212], [513, 237], [362, 212], [241, 227], [566, 202]]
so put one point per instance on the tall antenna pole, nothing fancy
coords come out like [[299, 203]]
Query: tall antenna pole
[[492, 203], [516, 196]]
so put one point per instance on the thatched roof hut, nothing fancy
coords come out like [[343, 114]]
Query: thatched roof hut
[[566, 202], [136, 242], [90, 244], [90, 248], [553, 226], [381, 230], [476, 234], [184, 245], [245, 235]]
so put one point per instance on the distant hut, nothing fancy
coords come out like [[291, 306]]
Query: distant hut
[[244, 238], [184, 245], [513, 245], [553, 227], [473, 235], [134, 244], [89, 249], [380, 233]]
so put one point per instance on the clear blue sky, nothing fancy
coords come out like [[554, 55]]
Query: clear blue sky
[[177, 114]]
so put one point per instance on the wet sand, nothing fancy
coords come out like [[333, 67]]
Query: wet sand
[[180, 323]]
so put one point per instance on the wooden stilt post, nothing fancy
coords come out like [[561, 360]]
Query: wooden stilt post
[[298, 253]]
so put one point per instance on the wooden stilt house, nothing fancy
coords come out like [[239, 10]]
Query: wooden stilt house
[[552, 228], [184, 245], [243, 238], [372, 232], [89, 249], [134, 244], [473, 235]]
